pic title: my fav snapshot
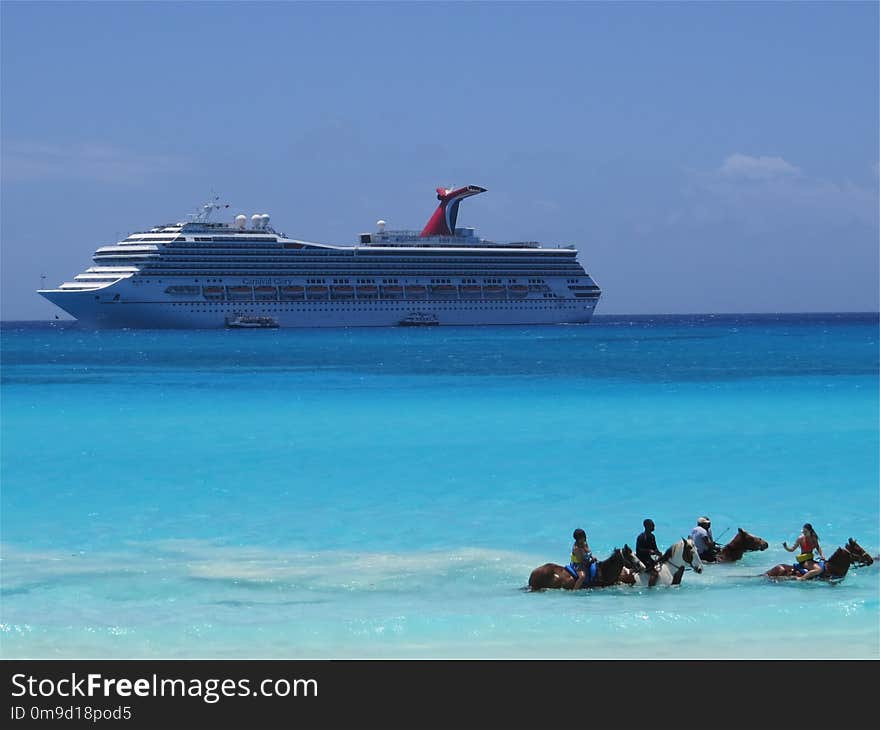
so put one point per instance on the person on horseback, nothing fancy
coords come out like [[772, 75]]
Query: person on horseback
[[807, 541], [581, 557], [646, 549], [704, 541]]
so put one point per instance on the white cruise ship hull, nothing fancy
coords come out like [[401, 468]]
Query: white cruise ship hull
[[98, 310]]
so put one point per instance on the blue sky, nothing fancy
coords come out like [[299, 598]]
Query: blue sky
[[703, 157]]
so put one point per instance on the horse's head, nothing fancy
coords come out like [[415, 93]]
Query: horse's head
[[682, 553], [610, 569], [631, 561], [749, 542], [859, 555], [690, 554]]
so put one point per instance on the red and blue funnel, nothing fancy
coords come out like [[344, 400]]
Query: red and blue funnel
[[442, 223]]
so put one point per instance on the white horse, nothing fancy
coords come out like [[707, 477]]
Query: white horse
[[672, 564]]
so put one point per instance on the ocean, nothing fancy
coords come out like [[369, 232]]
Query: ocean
[[385, 493]]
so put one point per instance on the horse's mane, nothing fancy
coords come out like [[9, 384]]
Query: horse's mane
[[670, 550], [733, 543], [617, 553], [735, 547], [840, 561]]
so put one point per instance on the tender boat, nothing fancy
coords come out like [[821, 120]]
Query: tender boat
[[419, 319], [251, 321]]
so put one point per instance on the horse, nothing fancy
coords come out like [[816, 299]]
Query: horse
[[602, 573], [836, 567], [672, 563], [631, 562], [742, 542]]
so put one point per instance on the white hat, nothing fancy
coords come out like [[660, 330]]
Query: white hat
[[704, 521]]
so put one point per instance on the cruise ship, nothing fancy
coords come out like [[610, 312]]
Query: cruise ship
[[199, 273]]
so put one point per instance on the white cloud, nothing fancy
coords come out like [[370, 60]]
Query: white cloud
[[757, 168], [34, 161], [771, 194]]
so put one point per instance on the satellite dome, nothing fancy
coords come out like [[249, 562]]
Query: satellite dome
[[240, 220], [256, 220], [380, 225]]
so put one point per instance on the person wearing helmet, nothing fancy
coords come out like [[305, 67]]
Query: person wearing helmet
[[703, 540]]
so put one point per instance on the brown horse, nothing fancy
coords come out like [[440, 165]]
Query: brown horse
[[605, 573], [742, 542], [836, 567]]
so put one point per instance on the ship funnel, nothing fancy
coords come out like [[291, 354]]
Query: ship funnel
[[442, 223]]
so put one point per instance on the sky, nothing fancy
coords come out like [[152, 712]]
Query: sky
[[702, 157]]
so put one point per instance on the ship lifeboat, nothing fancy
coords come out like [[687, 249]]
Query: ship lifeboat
[[342, 292], [292, 292], [367, 291], [317, 292], [213, 291], [265, 292], [518, 290], [471, 290], [392, 291], [416, 290], [493, 290], [240, 291], [444, 289]]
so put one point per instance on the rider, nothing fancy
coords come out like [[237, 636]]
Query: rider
[[646, 549], [581, 557], [704, 541], [807, 541]]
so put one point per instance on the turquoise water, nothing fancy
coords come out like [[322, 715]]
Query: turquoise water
[[385, 493]]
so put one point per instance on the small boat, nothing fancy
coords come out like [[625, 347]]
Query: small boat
[[265, 292], [183, 290], [213, 292], [493, 290], [419, 319], [471, 290], [367, 291], [342, 292], [518, 290], [392, 291], [317, 292], [251, 321], [416, 290]]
